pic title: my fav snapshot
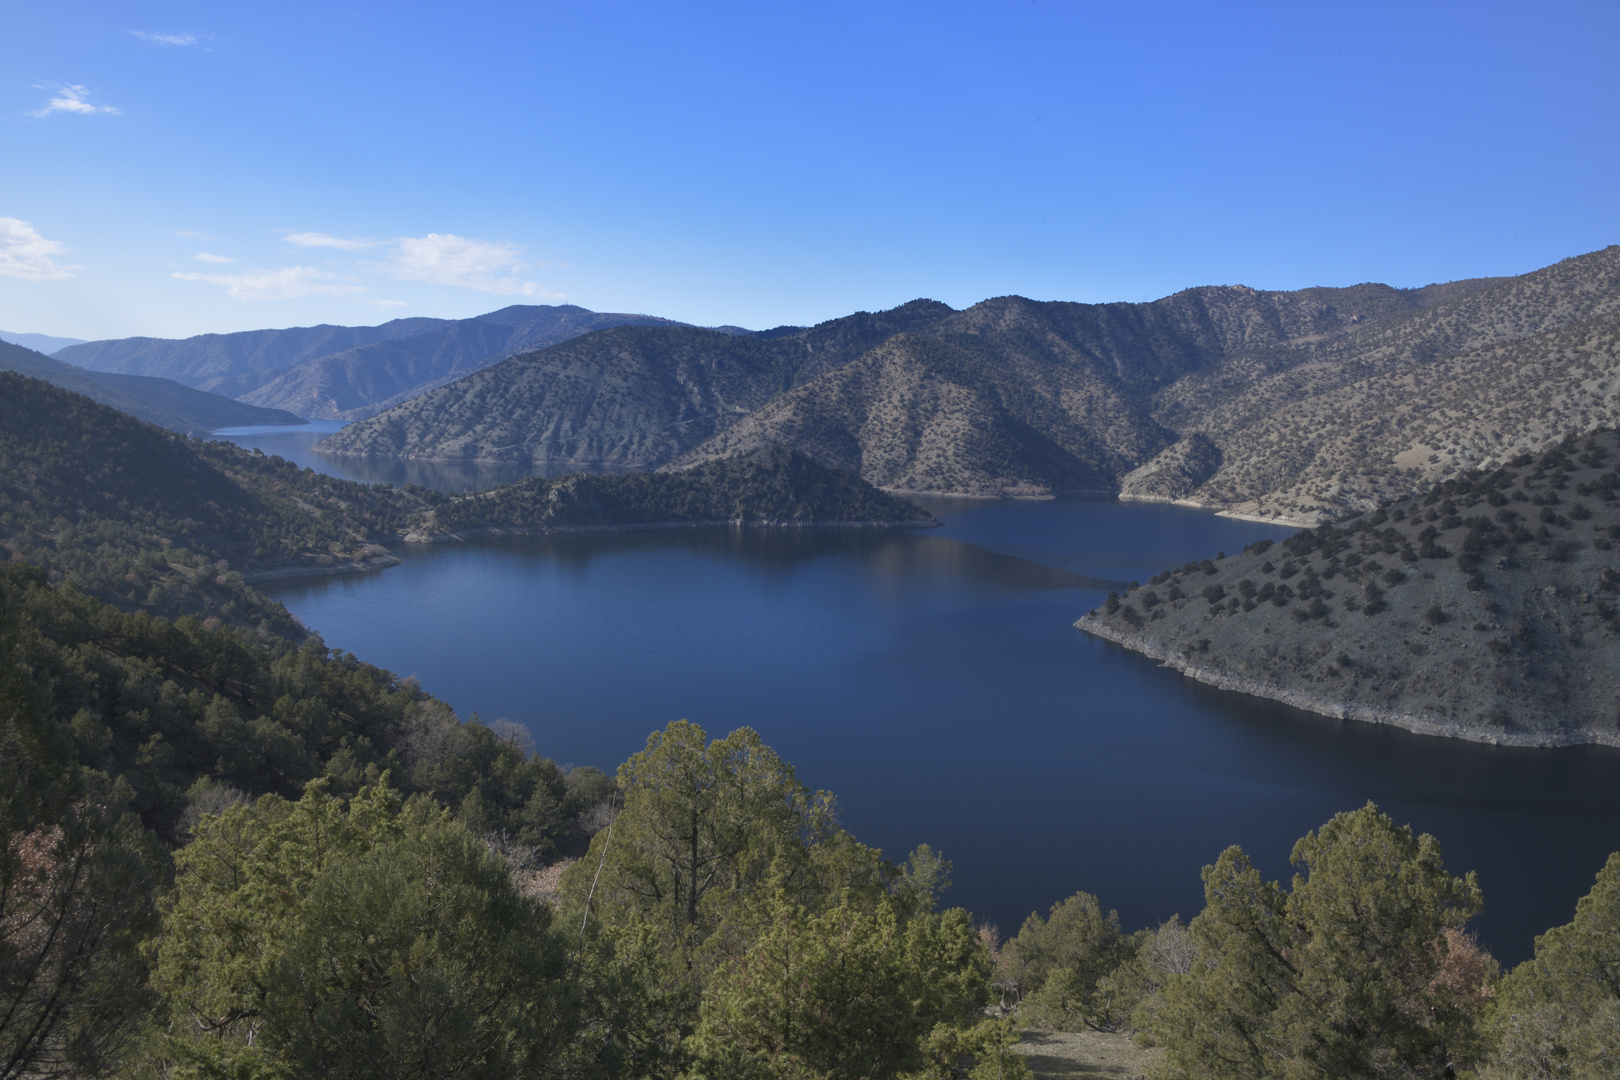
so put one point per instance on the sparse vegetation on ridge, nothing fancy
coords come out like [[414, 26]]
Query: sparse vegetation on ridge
[[1484, 609], [1300, 406]]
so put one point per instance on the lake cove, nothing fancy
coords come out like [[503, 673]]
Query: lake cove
[[934, 681]]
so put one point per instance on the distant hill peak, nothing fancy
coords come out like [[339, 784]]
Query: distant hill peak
[[40, 343]]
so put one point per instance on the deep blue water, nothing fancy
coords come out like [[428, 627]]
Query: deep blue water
[[933, 680]]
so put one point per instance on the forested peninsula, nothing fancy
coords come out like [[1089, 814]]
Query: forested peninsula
[[1485, 609]]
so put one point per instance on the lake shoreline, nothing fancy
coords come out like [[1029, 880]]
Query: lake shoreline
[[383, 562], [1339, 710], [419, 537], [1235, 515]]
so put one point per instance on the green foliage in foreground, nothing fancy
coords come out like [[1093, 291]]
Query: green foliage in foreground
[[77, 884], [764, 940], [383, 939], [378, 940], [1337, 976], [1558, 1014], [847, 993]]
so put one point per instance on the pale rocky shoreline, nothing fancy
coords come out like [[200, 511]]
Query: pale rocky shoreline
[[1340, 710], [1216, 509]]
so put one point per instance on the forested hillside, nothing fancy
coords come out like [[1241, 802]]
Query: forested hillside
[[144, 518]]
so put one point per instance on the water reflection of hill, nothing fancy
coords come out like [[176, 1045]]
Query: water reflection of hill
[[297, 445], [891, 553]]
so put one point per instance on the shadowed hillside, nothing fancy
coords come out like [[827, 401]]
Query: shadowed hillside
[[158, 401], [196, 360]]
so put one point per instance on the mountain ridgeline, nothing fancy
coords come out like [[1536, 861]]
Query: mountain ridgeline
[[158, 401], [344, 372], [1300, 406]]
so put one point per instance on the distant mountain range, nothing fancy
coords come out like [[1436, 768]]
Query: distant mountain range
[[41, 343], [157, 401], [346, 372], [1299, 405]]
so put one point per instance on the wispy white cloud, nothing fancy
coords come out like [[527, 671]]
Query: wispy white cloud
[[326, 240], [203, 256], [285, 284], [446, 259], [389, 303], [168, 39], [71, 99], [26, 254]]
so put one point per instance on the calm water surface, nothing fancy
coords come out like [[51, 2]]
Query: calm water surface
[[297, 445], [932, 679]]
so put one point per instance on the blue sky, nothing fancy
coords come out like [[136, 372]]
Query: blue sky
[[180, 168]]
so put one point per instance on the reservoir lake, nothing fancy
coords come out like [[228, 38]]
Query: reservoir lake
[[933, 680]]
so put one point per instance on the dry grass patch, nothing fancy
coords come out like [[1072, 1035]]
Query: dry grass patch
[[1088, 1055]]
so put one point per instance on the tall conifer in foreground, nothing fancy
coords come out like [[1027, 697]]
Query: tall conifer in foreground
[[1558, 1014], [1339, 976]]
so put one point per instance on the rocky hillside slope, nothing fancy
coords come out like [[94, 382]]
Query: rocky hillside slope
[[1010, 395], [1315, 429], [632, 397], [157, 401], [1486, 609], [366, 379], [1301, 406]]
